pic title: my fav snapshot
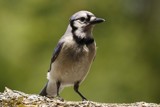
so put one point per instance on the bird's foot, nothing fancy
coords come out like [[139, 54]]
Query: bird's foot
[[56, 98], [59, 98]]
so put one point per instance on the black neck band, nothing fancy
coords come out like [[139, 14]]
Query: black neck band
[[83, 41]]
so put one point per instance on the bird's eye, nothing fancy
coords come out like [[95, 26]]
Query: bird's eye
[[82, 19]]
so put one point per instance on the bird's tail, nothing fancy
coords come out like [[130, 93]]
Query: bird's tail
[[44, 90], [50, 89]]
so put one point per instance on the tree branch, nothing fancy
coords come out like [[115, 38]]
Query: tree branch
[[13, 98]]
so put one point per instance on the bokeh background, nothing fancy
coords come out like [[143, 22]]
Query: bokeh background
[[127, 65]]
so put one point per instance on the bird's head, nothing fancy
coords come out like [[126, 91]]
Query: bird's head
[[84, 21]]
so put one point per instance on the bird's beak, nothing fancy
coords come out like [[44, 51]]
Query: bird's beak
[[97, 20]]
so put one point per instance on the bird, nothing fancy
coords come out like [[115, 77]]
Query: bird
[[73, 55]]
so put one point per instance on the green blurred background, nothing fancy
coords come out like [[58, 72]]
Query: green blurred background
[[127, 65]]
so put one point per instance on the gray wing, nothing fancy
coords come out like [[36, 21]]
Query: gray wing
[[56, 53]]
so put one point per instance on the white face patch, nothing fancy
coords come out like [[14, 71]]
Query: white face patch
[[82, 19], [81, 24]]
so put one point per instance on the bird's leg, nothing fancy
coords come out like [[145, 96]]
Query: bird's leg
[[58, 87], [76, 87]]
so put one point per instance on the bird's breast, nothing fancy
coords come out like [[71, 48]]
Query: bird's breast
[[73, 62]]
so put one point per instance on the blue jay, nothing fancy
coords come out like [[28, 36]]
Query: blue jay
[[73, 55]]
